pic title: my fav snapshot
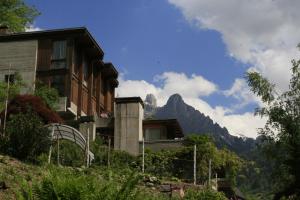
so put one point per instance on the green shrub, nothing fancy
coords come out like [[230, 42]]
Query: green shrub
[[49, 95], [27, 138], [70, 154], [117, 159], [204, 195]]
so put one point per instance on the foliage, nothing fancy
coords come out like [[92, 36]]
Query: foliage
[[282, 131], [49, 95], [73, 185], [14, 89], [20, 103], [198, 140], [204, 195], [179, 162], [27, 137], [70, 154], [117, 159], [160, 163], [16, 14]]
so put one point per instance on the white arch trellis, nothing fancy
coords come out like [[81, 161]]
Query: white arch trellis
[[60, 131]]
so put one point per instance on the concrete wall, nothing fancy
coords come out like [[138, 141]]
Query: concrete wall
[[161, 144], [128, 127], [22, 55]]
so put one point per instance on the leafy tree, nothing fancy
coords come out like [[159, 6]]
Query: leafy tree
[[16, 15], [224, 162], [198, 140], [282, 130], [179, 162], [27, 138]]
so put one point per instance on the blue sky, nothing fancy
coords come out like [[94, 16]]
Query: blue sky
[[202, 44]]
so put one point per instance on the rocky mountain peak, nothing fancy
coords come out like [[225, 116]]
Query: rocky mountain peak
[[175, 99], [151, 100], [193, 121]]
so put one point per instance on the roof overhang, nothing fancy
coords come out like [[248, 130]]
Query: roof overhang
[[124, 100], [81, 33]]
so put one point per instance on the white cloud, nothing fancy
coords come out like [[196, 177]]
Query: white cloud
[[193, 86], [192, 89], [171, 82], [241, 92], [141, 88], [32, 28], [264, 33]]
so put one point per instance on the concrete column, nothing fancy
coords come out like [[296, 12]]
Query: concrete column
[[128, 130], [92, 130]]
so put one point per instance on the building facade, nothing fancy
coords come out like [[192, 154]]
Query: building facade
[[71, 61]]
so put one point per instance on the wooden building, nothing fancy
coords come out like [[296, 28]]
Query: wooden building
[[69, 60]]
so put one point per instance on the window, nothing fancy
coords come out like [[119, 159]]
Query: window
[[103, 86], [85, 69], [95, 81], [10, 77], [58, 82], [59, 54], [77, 61], [155, 134]]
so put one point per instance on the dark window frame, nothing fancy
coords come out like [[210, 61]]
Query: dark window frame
[[59, 60], [10, 78]]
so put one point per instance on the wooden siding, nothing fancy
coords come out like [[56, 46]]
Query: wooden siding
[[85, 100], [109, 97], [44, 54], [74, 92], [94, 105], [80, 91]]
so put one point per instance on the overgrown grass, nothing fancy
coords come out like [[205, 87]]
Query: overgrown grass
[[90, 184]]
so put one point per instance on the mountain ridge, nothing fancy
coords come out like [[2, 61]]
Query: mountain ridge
[[193, 121]]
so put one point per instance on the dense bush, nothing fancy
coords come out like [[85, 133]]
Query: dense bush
[[70, 154], [26, 136], [179, 163], [49, 95], [204, 195], [21, 103], [117, 159]]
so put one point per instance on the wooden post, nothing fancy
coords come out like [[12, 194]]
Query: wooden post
[[216, 181], [6, 100], [195, 162], [108, 153], [143, 162], [57, 150], [88, 146], [50, 150]]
